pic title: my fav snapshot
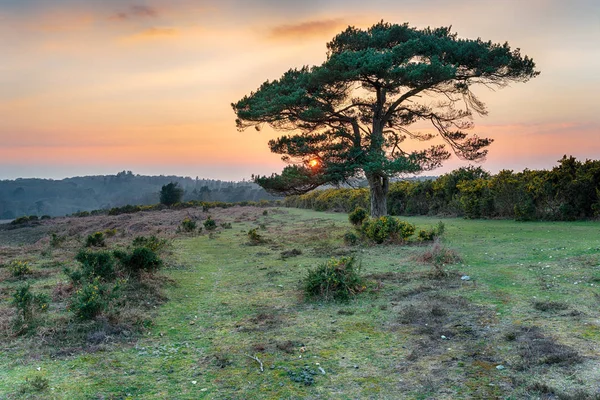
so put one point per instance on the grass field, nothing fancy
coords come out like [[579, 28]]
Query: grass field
[[526, 324]]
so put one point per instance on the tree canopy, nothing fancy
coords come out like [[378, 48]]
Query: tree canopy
[[351, 115], [171, 194]]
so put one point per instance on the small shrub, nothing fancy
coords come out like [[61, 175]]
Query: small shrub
[[56, 240], [153, 243], [337, 279], [265, 212], [95, 240], [387, 228], [357, 216], [28, 305], [36, 384], [226, 225], [187, 225], [110, 232], [254, 237], [140, 259], [89, 300], [431, 234], [19, 268], [303, 375], [94, 264], [290, 253], [210, 224], [350, 238], [439, 256]]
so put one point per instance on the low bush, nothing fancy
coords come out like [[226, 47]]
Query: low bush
[[18, 268], [254, 237], [387, 228], [89, 300], [187, 225], [357, 216], [226, 225], [210, 224], [337, 279], [430, 234], [95, 240], [141, 259], [28, 306], [153, 243], [94, 264], [439, 256], [351, 238]]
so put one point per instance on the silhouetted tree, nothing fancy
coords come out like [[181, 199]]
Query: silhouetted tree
[[170, 194], [353, 112]]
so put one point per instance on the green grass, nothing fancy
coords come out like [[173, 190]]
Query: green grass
[[230, 300]]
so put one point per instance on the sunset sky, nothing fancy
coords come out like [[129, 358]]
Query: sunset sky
[[97, 87]]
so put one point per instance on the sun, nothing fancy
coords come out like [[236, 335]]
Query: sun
[[313, 163]]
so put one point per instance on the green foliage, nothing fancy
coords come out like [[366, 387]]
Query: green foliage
[[342, 132], [351, 238], [89, 300], [153, 243], [94, 264], [95, 240], [254, 237], [210, 224], [357, 216], [28, 305], [431, 234], [387, 228], [140, 259], [226, 225], [19, 268], [337, 279], [187, 225], [171, 194], [569, 191], [37, 384], [24, 220], [304, 375]]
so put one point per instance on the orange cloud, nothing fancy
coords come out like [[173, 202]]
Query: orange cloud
[[317, 28], [152, 33]]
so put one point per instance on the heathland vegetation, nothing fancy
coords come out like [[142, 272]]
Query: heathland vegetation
[[248, 302]]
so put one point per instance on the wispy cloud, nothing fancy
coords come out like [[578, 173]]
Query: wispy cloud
[[153, 33], [136, 11], [299, 31]]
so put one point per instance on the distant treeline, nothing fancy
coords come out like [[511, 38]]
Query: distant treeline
[[71, 195], [570, 191]]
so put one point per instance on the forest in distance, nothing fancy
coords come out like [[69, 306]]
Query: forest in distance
[[70, 195]]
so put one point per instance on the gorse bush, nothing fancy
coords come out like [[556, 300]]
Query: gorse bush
[[187, 225], [431, 234], [95, 240], [351, 238], [28, 305], [19, 268], [387, 228], [94, 264], [210, 224], [89, 300], [141, 259], [153, 243], [357, 216], [337, 279], [254, 237]]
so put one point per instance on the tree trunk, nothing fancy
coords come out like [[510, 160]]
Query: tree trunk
[[379, 187]]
